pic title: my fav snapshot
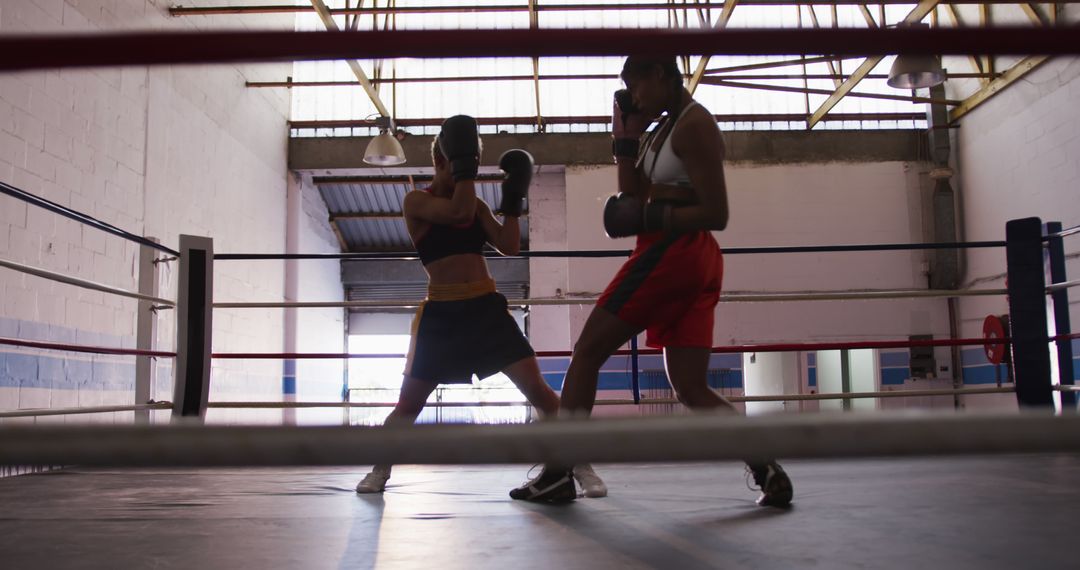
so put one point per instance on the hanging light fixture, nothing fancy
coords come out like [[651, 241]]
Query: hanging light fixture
[[916, 71], [384, 149]]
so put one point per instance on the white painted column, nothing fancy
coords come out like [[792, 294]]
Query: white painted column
[[864, 375], [830, 378], [865, 367], [770, 374], [293, 209], [549, 327]]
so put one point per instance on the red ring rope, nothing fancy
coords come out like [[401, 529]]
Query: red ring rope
[[83, 348], [143, 48], [738, 348]]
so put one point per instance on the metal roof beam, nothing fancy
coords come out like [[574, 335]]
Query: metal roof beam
[[996, 86], [830, 62], [772, 64], [976, 63], [604, 119], [343, 155], [378, 216], [1034, 14], [811, 91], [703, 63], [373, 94], [706, 79], [404, 179], [917, 14], [587, 7]]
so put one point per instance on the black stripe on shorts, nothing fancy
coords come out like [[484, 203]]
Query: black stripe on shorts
[[640, 272]]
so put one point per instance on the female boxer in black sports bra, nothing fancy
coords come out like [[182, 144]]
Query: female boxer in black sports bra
[[464, 326]]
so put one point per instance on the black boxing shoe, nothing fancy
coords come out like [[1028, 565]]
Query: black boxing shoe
[[552, 486], [776, 488]]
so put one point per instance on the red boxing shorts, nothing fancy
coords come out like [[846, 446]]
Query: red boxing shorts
[[670, 287]]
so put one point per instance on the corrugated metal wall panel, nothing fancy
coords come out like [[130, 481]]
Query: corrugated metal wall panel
[[382, 234], [418, 290]]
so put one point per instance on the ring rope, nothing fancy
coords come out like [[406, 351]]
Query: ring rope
[[1062, 286], [591, 253], [79, 216], [83, 283], [1064, 233], [83, 348], [53, 51], [604, 402], [37, 412], [724, 298], [730, 349], [699, 437], [628, 402]]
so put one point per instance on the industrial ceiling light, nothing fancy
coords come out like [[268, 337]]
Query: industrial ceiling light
[[916, 71], [384, 149]]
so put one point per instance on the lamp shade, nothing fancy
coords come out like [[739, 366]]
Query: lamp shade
[[384, 150], [916, 72]]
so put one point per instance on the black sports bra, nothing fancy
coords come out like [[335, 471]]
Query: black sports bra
[[443, 240]]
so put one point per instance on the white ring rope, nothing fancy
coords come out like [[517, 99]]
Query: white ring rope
[[1062, 285], [84, 283], [36, 412], [624, 401], [568, 442], [724, 298]]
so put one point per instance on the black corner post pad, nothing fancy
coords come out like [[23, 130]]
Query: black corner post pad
[[1027, 311]]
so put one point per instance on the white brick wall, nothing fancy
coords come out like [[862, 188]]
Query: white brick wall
[[157, 151], [1019, 156], [792, 204], [318, 330], [548, 325]]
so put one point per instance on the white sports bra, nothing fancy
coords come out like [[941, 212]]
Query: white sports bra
[[661, 165]]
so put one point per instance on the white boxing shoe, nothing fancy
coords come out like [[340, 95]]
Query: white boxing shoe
[[374, 482], [592, 486]]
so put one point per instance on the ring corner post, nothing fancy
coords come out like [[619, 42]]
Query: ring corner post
[[194, 323], [146, 331], [1027, 312], [1062, 325], [635, 382]]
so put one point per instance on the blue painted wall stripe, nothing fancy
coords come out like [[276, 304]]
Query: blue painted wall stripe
[[894, 376], [895, 359], [21, 370], [984, 374], [621, 381], [646, 362], [288, 385]]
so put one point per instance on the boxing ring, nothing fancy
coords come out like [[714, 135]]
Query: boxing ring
[[971, 489]]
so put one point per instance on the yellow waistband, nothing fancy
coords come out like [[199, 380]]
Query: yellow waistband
[[460, 291]]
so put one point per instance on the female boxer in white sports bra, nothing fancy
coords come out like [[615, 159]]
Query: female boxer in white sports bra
[[671, 196]]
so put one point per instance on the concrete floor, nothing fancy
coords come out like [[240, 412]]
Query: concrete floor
[[1000, 512]]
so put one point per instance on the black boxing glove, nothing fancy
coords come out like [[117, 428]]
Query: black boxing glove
[[626, 215], [628, 123], [518, 166]]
